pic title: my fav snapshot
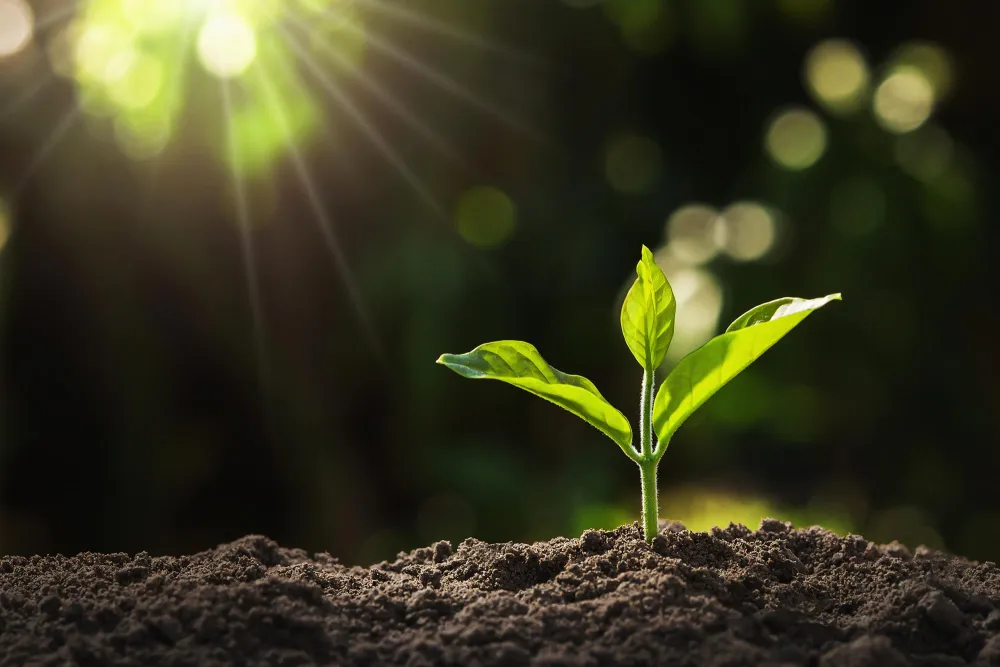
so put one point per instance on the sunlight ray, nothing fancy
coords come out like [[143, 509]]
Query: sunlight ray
[[58, 133], [246, 242], [55, 16], [184, 42], [371, 132], [387, 98], [323, 220], [445, 29], [26, 96], [441, 80]]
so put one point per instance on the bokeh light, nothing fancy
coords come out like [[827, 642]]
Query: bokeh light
[[837, 75], [633, 164], [746, 231], [485, 216], [17, 26], [796, 139], [691, 233], [925, 153], [5, 223], [932, 61], [904, 100], [227, 45], [698, 293], [135, 64]]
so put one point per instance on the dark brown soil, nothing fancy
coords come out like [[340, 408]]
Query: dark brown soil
[[733, 597]]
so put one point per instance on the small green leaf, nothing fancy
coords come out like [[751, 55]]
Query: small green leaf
[[706, 370], [648, 314], [520, 364]]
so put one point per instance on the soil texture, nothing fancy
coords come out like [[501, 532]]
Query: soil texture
[[775, 596]]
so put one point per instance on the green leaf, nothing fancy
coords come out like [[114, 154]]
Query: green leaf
[[706, 370], [520, 364], [648, 314]]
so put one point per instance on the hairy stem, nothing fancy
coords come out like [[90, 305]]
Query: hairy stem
[[650, 504], [646, 415], [647, 463]]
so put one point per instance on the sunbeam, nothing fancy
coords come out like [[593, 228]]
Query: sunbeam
[[58, 133], [370, 131], [246, 243], [55, 16], [385, 96], [442, 81], [26, 96], [323, 220], [439, 27]]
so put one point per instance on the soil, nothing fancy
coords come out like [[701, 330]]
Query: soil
[[775, 596]]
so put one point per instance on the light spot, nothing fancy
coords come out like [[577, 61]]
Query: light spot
[[485, 216], [931, 60], [691, 235], [17, 26], [796, 139], [837, 75], [903, 101], [746, 231], [227, 45], [633, 164], [926, 153], [5, 224], [96, 49], [134, 79], [699, 304]]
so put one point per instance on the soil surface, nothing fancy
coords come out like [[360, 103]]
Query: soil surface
[[776, 596]]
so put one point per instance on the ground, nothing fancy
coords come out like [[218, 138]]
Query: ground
[[775, 596]]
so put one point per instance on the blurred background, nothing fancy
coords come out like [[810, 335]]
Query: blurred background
[[236, 234]]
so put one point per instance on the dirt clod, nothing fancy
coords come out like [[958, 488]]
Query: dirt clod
[[734, 596]]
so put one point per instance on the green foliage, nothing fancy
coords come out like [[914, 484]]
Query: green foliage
[[648, 314], [520, 364], [647, 321], [706, 370]]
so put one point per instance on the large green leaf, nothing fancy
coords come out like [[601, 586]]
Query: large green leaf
[[706, 370], [520, 364], [648, 313]]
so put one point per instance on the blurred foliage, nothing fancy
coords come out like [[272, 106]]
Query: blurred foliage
[[188, 356]]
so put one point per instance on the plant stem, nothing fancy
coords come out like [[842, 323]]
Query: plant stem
[[647, 464], [650, 505], [646, 415]]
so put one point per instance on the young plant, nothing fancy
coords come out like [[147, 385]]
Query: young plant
[[647, 321]]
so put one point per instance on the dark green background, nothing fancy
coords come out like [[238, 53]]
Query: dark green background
[[141, 411]]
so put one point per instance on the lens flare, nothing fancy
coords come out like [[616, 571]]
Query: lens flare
[[227, 45], [17, 26], [796, 139]]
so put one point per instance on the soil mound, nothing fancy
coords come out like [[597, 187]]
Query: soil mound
[[775, 596]]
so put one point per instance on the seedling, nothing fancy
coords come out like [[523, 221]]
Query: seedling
[[647, 321]]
